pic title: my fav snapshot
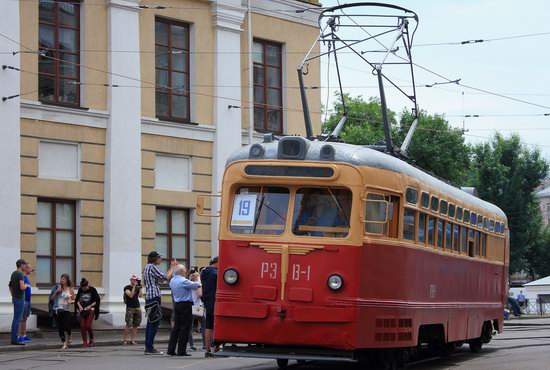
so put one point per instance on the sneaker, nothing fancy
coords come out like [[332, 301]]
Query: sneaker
[[208, 354], [193, 348], [65, 345], [154, 352], [18, 343], [25, 339], [91, 344]]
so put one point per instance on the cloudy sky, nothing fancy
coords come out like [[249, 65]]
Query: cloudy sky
[[518, 67]]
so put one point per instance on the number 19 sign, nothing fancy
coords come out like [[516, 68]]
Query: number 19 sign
[[244, 210]]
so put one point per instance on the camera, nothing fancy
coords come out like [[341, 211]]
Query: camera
[[192, 271], [138, 281]]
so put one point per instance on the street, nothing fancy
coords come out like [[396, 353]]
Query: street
[[519, 347]]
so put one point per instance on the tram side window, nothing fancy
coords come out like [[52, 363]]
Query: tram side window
[[477, 245], [451, 210], [422, 227], [434, 204], [492, 225], [443, 207], [431, 230], [409, 221], [425, 200], [485, 223], [497, 227], [474, 219], [483, 245], [456, 237], [466, 216], [259, 210], [322, 212], [440, 233], [459, 213], [376, 214], [479, 221], [464, 240], [448, 235], [471, 243], [411, 196]]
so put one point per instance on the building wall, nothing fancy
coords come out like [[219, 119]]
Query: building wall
[[104, 110]]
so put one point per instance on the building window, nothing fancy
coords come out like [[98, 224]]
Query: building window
[[172, 236], [59, 38], [172, 70], [268, 88], [55, 240]]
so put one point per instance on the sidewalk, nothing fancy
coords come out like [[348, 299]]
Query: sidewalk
[[49, 339], [528, 320]]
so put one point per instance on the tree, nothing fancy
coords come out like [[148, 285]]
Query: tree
[[436, 147], [364, 125], [506, 174]]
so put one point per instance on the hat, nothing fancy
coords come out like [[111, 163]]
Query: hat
[[134, 277], [214, 260], [20, 262], [153, 256]]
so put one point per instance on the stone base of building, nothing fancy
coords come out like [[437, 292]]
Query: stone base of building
[[6, 317]]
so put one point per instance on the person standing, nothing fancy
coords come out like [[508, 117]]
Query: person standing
[[27, 309], [183, 302], [209, 278], [521, 299], [197, 309], [87, 306], [152, 277], [17, 289], [132, 293], [63, 296]]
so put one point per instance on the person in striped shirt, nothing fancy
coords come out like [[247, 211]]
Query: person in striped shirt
[[152, 277]]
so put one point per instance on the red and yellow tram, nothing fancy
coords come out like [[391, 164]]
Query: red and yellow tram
[[335, 251]]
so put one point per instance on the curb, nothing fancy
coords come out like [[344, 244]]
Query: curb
[[49, 346]]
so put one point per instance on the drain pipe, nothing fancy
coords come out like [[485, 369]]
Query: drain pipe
[[250, 77]]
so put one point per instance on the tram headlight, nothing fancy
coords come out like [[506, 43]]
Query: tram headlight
[[230, 276], [335, 282]]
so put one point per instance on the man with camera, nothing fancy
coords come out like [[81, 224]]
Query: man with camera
[[152, 277], [132, 293]]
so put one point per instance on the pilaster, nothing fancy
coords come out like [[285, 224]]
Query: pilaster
[[122, 218], [228, 17], [10, 171]]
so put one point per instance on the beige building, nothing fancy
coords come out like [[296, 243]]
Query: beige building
[[117, 113]]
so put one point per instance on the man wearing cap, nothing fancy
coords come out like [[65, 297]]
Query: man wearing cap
[[152, 278], [27, 270], [17, 289], [132, 293], [209, 277]]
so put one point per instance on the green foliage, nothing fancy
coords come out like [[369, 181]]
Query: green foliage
[[364, 125], [436, 147], [506, 174]]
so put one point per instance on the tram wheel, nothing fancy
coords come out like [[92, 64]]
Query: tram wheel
[[282, 363], [475, 345]]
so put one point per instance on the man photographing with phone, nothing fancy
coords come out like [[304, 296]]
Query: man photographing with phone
[[152, 278], [132, 293]]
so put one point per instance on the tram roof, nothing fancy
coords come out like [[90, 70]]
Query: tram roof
[[363, 156]]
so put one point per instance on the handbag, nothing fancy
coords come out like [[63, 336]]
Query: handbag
[[84, 313], [198, 310], [153, 312]]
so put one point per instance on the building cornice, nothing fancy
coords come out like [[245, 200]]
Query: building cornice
[[286, 9], [197, 132], [54, 113], [131, 5]]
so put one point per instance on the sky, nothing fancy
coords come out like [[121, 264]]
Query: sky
[[516, 67]]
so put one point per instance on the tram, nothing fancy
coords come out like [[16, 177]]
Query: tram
[[335, 251], [343, 252]]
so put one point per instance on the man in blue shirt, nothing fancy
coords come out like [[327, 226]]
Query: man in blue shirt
[[183, 303], [27, 308]]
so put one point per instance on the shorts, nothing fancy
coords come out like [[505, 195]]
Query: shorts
[[26, 311], [133, 317], [209, 322]]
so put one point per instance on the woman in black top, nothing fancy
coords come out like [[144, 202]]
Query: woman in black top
[[87, 305]]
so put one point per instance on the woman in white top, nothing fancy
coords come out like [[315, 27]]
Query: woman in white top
[[198, 313], [63, 297]]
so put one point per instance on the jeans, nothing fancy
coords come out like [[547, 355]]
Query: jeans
[[18, 306], [86, 326], [151, 328]]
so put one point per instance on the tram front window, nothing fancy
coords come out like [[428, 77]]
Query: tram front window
[[322, 212], [259, 210]]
